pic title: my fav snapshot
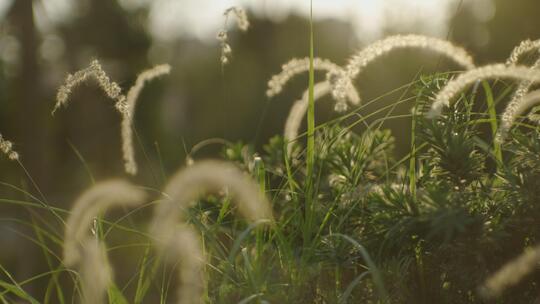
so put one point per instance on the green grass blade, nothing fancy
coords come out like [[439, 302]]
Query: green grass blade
[[373, 269], [310, 161], [493, 122], [115, 295], [347, 293]]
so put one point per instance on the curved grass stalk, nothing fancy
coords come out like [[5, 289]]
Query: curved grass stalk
[[297, 66], [516, 109], [187, 247], [207, 176], [243, 24], [511, 273], [84, 251], [523, 87], [111, 88], [299, 109], [455, 86], [372, 267], [240, 16], [6, 147], [524, 47], [130, 164], [379, 48], [181, 192]]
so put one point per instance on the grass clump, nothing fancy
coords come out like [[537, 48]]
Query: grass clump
[[344, 220]]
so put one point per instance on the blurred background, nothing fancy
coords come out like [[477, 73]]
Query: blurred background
[[43, 40]]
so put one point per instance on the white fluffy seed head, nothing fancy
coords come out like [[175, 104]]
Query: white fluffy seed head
[[298, 112], [181, 192], [511, 273], [295, 67], [95, 271], [455, 86], [300, 106], [95, 71], [240, 16], [514, 110], [128, 110], [242, 21], [379, 48], [524, 47], [185, 246], [83, 251], [6, 147], [90, 204], [208, 176], [516, 103]]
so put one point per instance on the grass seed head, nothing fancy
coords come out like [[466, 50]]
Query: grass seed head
[[517, 103], [300, 106], [295, 67], [181, 192], [90, 204], [208, 176], [524, 47], [128, 110], [455, 86], [185, 246], [83, 250], [6, 147], [96, 273], [222, 36], [511, 273], [379, 48], [240, 16], [515, 109], [95, 71]]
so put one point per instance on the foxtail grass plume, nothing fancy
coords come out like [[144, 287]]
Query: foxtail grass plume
[[455, 86], [511, 273], [297, 66], [379, 48], [514, 110], [185, 246], [95, 272], [522, 89], [243, 24], [111, 88], [130, 164], [524, 86], [6, 147], [181, 192], [83, 251], [207, 176], [524, 47], [299, 109]]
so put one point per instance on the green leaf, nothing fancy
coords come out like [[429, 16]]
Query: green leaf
[[116, 296]]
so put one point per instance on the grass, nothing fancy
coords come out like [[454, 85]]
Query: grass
[[345, 219], [310, 157]]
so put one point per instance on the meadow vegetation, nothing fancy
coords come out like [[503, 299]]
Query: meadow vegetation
[[326, 215]]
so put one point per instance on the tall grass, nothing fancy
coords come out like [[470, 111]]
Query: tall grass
[[310, 156], [345, 220]]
